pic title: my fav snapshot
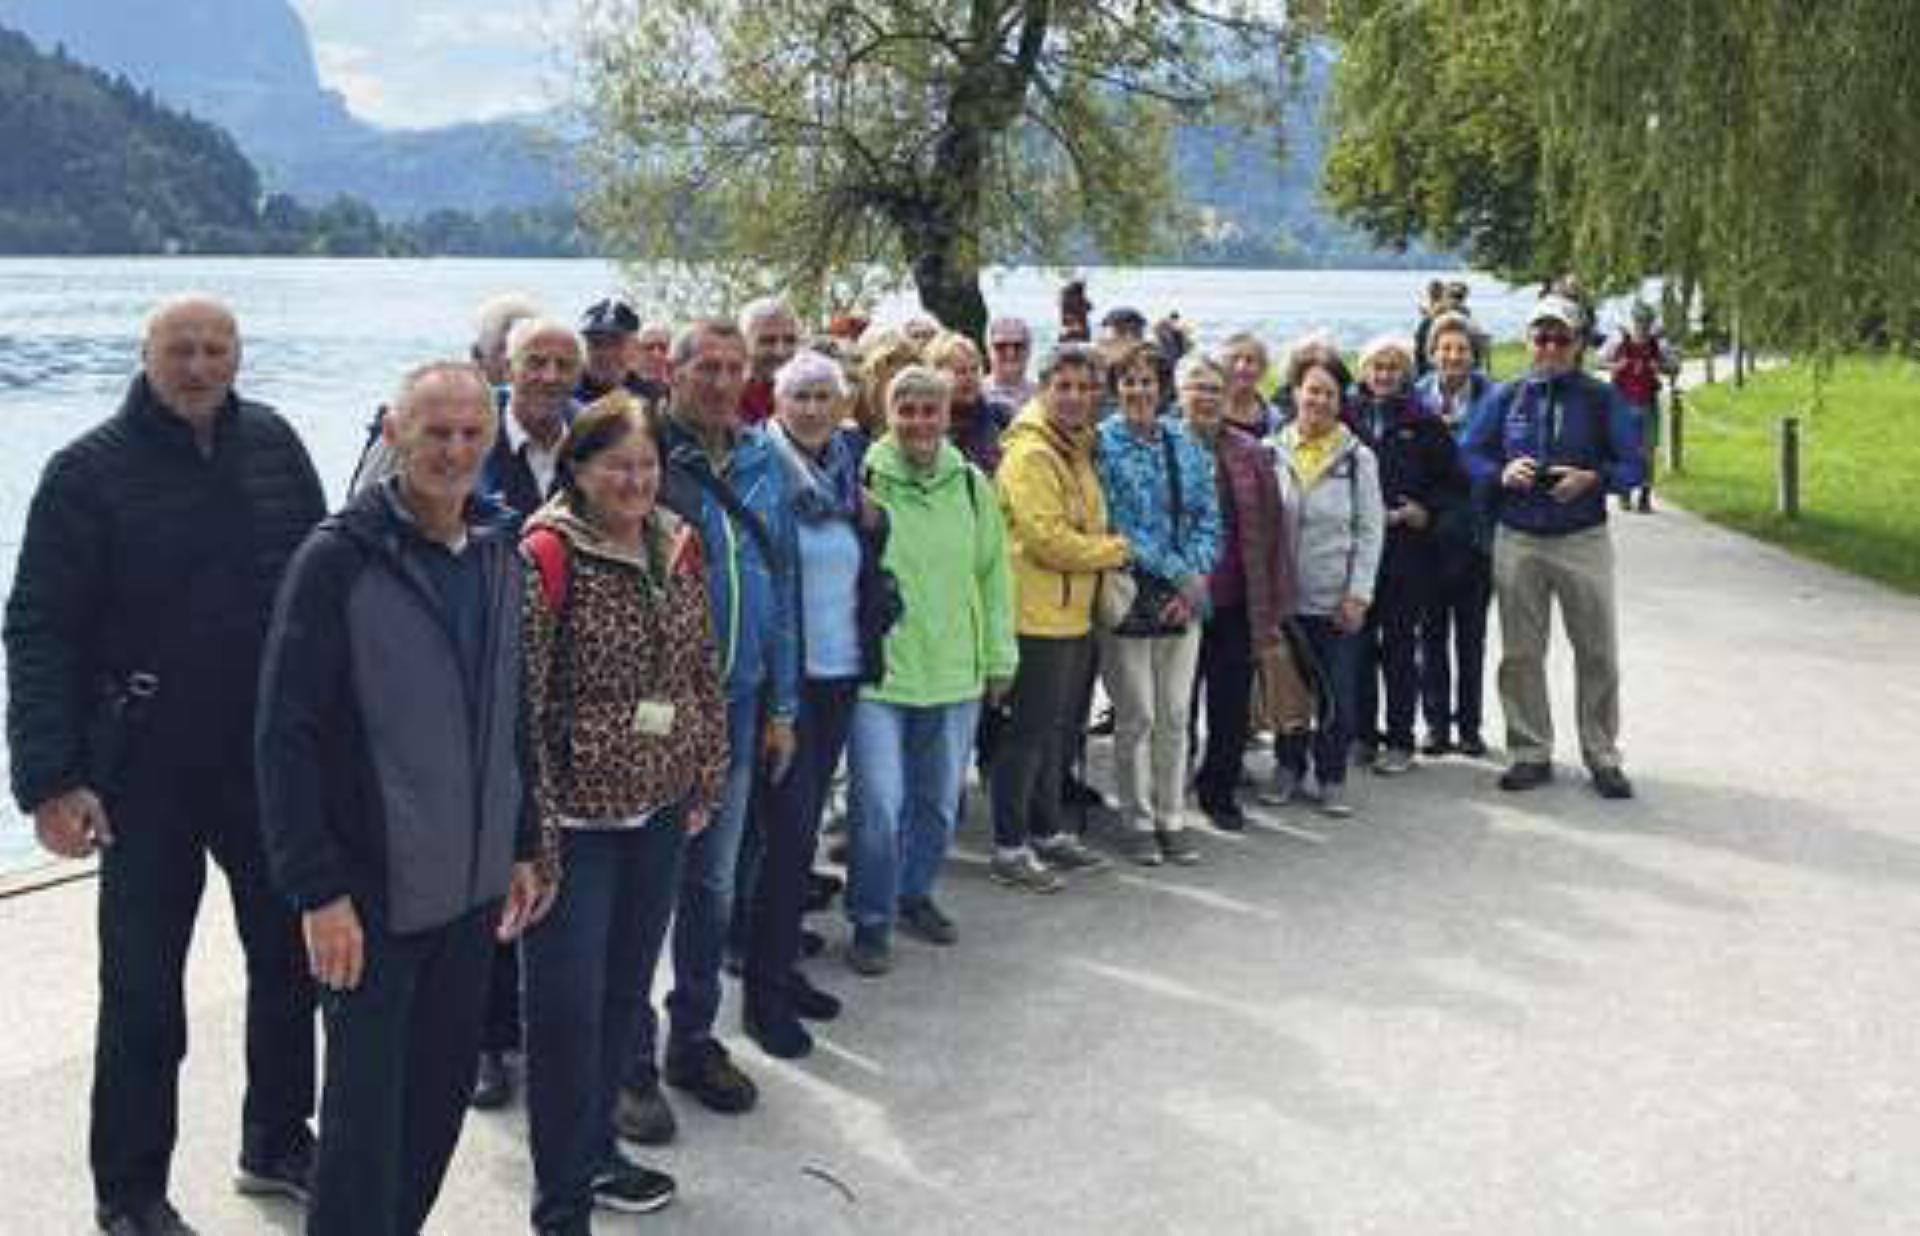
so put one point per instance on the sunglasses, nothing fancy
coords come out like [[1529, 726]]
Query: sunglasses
[[1552, 339]]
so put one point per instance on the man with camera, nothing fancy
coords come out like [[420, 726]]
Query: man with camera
[[133, 634], [1547, 449]]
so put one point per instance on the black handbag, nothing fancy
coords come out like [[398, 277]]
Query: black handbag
[[1151, 593]]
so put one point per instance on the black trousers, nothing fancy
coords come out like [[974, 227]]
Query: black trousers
[[1453, 645], [1226, 677], [501, 1030], [402, 1049], [1045, 722], [151, 878], [1390, 650], [788, 818]]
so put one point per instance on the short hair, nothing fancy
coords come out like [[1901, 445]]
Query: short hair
[[1069, 356], [1133, 356], [1010, 329], [687, 342], [1382, 345], [524, 331], [884, 352], [1316, 351], [1449, 323], [810, 368], [494, 320], [948, 346], [918, 380], [1238, 340], [400, 410], [601, 425], [1192, 365], [755, 311]]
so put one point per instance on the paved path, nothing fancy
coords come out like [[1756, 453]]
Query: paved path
[[1455, 1013]]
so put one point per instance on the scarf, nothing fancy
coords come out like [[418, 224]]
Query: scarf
[[1313, 456], [823, 489]]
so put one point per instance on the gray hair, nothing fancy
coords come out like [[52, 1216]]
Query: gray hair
[[1382, 345], [921, 380], [494, 320], [401, 408], [1192, 365], [756, 311], [687, 343], [809, 368], [1069, 356], [1235, 342], [526, 330]]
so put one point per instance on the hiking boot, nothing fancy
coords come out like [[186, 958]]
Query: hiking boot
[[1066, 852], [156, 1218], [1645, 503], [1177, 844], [1024, 871], [1472, 745], [289, 1175], [1526, 775], [920, 917], [492, 1083], [642, 1115], [705, 1071], [809, 1001], [773, 1025], [1612, 783], [1142, 846], [869, 953], [1283, 789], [1393, 761], [1333, 800], [629, 1188]]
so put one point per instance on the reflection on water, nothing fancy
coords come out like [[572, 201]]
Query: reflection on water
[[324, 341]]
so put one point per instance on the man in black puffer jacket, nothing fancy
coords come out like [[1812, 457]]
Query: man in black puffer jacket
[[134, 632]]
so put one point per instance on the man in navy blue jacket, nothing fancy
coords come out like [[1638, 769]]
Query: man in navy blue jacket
[[1552, 445]]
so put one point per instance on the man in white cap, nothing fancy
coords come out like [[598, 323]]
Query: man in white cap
[[1552, 444]]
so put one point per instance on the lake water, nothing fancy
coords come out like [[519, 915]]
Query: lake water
[[325, 340]]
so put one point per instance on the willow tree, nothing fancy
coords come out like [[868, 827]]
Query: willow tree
[[1767, 151], [821, 146]]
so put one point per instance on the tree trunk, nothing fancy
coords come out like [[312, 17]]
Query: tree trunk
[[949, 286]]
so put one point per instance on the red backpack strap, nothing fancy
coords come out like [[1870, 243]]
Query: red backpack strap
[[549, 554]]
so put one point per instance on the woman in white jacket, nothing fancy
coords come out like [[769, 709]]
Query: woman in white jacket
[[1332, 480]]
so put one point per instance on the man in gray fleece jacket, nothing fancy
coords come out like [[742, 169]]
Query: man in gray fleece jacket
[[395, 800]]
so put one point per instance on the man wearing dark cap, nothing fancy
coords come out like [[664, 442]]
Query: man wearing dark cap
[[1123, 325], [612, 331]]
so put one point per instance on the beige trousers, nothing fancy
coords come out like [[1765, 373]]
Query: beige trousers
[[1529, 574], [1151, 684]]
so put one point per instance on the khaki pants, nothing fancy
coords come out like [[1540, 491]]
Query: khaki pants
[[1151, 683], [1529, 573]]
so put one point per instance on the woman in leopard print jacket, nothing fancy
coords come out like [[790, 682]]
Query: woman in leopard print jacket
[[629, 749]]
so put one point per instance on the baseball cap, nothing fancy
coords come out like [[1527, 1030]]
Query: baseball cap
[[1558, 309], [611, 316], [1125, 317]]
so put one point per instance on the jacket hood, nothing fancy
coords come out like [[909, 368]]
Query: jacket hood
[[886, 459], [1033, 425]]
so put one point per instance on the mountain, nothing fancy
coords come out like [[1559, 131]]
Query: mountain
[[248, 66], [90, 164]]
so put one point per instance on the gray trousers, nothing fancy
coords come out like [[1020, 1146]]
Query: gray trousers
[[1150, 681], [1529, 574]]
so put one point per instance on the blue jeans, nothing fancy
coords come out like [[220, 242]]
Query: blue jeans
[[583, 1003], [1338, 656], [706, 905], [907, 763]]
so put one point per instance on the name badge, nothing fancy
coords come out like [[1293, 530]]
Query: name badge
[[653, 718]]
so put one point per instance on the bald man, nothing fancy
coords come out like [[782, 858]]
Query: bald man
[[133, 635]]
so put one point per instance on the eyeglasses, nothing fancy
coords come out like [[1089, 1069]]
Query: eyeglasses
[[1552, 339], [1009, 345]]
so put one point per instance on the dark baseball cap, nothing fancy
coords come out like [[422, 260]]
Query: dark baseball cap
[[611, 316], [1125, 317]]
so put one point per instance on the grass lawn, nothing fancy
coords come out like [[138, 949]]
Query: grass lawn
[[1860, 462]]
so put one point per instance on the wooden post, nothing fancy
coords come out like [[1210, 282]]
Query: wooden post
[[1790, 466], [1739, 355], [1676, 433]]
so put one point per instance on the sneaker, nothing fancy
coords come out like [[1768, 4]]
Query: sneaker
[[1066, 852], [157, 1218], [629, 1188], [1227, 817], [1022, 870], [1077, 793], [1102, 726], [919, 916], [1526, 775], [643, 1115], [1612, 783], [1283, 789], [492, 1084], [773, 1025], [869, 953], [1364, 753], [705, 1071], [1177, 844], [290, 1175], [1393, 761], [1437, 744], [1333, 800], [809, 1001], [1471, 744], [1142, 846], [1645, 503]]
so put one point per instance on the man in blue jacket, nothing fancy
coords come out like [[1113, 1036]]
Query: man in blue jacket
[[1552, 445], [727, 482]]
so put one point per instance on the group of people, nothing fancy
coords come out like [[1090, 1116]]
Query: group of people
[[567, 682]]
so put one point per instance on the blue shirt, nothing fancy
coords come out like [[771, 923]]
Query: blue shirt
[[829, 597]]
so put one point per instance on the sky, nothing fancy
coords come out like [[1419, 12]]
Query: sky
[[435, 62]]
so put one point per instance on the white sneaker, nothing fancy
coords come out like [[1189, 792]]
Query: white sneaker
[[1333, 801], [1393, 761]]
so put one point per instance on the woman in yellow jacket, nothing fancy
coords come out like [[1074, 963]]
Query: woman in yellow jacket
[[1060, 543]]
